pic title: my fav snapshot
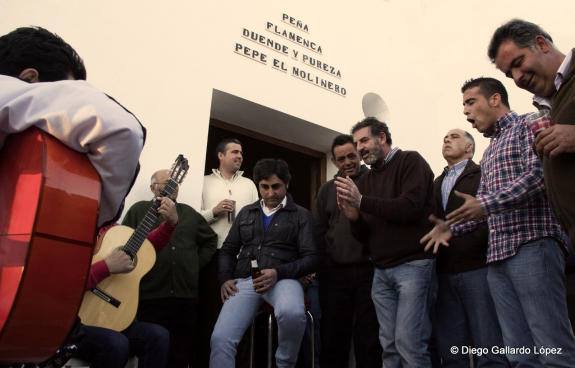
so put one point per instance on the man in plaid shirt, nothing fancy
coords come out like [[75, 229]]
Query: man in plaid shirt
[[527, 247]]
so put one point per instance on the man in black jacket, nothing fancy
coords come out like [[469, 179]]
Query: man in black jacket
[[345, 273], [465, 314], [277, 233]]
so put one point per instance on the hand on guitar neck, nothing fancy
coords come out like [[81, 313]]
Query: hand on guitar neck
[[167, 210], [119, 261]]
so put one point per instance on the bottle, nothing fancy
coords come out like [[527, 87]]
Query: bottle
[[256, 272]]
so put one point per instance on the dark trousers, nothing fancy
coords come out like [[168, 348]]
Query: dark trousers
[[105, 348], [179, 317], [347, 312]]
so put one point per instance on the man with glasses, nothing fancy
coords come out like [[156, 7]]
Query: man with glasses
[[169, 292]]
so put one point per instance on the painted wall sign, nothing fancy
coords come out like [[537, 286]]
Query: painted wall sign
[[291, 53]]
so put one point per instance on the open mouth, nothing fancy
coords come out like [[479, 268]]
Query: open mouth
[[472, 121]]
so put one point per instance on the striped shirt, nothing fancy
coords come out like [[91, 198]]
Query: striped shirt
[[451, 175], [512, 192]]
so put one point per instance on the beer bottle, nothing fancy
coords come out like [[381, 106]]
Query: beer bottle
[[256, 272]]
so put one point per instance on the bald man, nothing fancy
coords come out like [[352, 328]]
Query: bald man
[[169, 292], [465, 314]]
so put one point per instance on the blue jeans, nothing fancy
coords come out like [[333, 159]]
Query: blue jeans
[[105, 348], [529, 294], [237, 314], [403, 296], [465, 316]]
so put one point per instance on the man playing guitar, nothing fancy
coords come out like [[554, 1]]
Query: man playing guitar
[[42, 85]]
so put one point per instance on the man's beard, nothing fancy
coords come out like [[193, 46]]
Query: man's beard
[[374, 155]]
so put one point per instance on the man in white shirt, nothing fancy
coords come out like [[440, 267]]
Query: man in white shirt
[[225, 193]]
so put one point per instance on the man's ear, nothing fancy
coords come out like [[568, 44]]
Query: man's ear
[[29, 75], [383, 137], [542, 44], [495, 100]]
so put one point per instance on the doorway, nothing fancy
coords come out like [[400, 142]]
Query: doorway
[[307, 167], [270, 133]]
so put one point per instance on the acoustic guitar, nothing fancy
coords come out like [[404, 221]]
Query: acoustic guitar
[[49, 198], [114, 301]]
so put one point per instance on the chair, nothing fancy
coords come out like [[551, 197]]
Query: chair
[[268, 310]]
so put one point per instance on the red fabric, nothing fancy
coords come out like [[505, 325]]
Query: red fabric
[[159, 237], [98, 272]]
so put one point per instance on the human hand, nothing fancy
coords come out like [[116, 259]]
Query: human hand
[[226, 205], [347, 209], [228, 290], [119, 262], [266, 280], [557, 139], [307, 279], [470, 210], [347, 191], [439, 235], [167, 210]]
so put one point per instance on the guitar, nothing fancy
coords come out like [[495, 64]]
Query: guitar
[[49, 198], [114, 301]]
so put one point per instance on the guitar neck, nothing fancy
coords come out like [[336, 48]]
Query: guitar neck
[[149, 222]]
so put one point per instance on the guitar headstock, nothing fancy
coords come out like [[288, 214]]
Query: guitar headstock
[[178, 172]]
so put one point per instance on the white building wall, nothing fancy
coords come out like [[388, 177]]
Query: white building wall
[[162, 60]]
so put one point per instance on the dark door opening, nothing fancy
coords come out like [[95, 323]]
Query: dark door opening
[[307, 166]]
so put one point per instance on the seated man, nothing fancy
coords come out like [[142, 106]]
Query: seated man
[[277, 233], [169, 292], [150, 342]]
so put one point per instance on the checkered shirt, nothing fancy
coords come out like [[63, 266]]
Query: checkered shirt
[[512, 192]]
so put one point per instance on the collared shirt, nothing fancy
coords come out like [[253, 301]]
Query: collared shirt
[[559, 76], [512, 192], [269, 212], [386, 159], [390, 154], [451, 175]]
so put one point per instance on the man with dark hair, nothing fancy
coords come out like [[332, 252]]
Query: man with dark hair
[[169, 292], [277, 234], [525, 52], [34, 92], [35, 54], [345, 274], [527, 247], [465, 314], [225, 193], [488, 87], [78, 115], [388, 209]]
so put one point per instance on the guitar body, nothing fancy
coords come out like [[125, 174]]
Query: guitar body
[[124, 287], [49, 198]]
